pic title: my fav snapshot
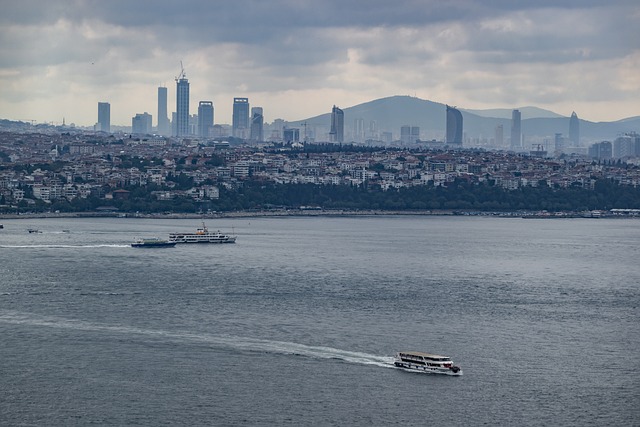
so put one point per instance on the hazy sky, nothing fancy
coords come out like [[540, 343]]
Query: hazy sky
[[296, 58]]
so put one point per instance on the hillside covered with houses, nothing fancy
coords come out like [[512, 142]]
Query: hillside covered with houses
[[76, 171]]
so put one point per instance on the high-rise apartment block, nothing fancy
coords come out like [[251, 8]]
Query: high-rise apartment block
[[601, 150], [257, 124], [240, 119], [626, 146], [104, 117], [336, 133], [182, 105], [409, 134], [142, 124], [163, 119], [205, 118]]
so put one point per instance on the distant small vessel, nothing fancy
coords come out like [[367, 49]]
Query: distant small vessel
[[427, 363], [202, 235], [33, 230], [1, 226], [153, 242]]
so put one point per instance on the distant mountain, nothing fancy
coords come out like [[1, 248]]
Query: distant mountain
[[630, 119], [505, 113], [389, 113], [393, 112]]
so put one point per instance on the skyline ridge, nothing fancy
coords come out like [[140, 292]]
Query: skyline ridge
[[392, 112], [528, 112]]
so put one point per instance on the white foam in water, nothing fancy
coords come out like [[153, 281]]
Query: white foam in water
[[64, 246], [236, 343]]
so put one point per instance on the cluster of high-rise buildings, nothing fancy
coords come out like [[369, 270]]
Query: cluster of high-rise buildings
[[248, 124]]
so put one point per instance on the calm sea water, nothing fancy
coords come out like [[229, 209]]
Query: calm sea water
[[296, 323]]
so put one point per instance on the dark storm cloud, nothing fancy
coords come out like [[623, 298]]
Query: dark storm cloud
[[452, 51], [243, 20], [303, 30]]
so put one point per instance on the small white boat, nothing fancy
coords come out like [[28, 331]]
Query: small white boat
[[426, 362]]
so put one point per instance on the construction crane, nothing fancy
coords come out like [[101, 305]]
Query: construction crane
[[182, 74], [537, 150]]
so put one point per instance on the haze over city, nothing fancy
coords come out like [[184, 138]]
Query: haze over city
[[298, 58]]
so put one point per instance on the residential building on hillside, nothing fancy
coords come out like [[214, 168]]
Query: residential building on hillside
[[141, 123], [601, 150]]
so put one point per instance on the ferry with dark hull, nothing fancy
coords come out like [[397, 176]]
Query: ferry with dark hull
[[427, 363], [153, 242], [202, 235]]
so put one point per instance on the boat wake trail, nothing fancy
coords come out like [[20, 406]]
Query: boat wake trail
[[317, 352], [61, 246], [235, 343]]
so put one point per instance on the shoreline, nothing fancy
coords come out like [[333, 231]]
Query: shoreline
[[317, 213], [236, 214]]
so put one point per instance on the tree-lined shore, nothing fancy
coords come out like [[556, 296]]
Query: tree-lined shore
[[256, 197]]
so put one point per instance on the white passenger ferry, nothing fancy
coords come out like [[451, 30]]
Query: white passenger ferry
[[202, 235], [426, 362]]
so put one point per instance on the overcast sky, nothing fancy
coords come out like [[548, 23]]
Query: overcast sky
[[297, 58]]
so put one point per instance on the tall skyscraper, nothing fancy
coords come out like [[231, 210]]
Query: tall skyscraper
[[104, 117], [257, 124], [358, 133], [240, 124], [574, 130], [405, 133], [163, 118], [516, 130], [337, 125], [415, 134], [558, 143], [142, 123], [499, 136], [454, 126], [205, 118], [182, 105]]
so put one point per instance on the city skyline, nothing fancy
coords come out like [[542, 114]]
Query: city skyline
[[60, 59]]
